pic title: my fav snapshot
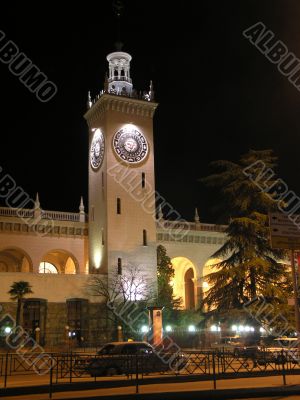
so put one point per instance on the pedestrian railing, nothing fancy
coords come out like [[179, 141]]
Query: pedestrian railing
[[203, 365]]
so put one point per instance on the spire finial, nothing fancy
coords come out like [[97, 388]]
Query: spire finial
[[160, 213], [89, 101], [81, 207], [151, 91], [106, 83], [37, 201], [197, 219], [118, 8], [81, 211]]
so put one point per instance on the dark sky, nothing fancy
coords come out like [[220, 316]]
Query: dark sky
[[219, 96]]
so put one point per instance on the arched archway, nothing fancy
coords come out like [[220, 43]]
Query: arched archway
[[14, 259], [62, 260], [184, 282]]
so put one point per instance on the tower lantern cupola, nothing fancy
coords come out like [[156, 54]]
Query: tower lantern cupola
[[119, 81]]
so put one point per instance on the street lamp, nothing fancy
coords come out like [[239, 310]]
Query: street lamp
[[120, 334], [37, 334], [67, 336]]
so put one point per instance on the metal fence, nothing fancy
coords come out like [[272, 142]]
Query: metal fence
[[203, 363]]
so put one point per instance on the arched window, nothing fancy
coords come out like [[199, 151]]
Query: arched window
[[118, 205], [119, 266], [145, 237], [47, 268]]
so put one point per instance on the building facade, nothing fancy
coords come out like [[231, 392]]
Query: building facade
[[58, 252]]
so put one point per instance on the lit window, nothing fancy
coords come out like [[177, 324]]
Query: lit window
[[47, 268], [118, 205], [119, 266]]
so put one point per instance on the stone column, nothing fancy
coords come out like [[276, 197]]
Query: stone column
[[155, 335]]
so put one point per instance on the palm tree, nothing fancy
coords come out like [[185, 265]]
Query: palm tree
[[17, 292]]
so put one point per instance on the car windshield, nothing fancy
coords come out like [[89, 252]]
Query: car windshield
[[107, 349], [134, 348]]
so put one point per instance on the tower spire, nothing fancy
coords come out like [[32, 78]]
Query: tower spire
[[37, 208], [118, 8], [89, 100], [81, 207], [81, 211], [197, 219], [160, 213], [37, 204], [151, 91], [106, 83]]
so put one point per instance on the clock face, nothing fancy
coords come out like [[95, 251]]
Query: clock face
[[97, 149], [130, 145]]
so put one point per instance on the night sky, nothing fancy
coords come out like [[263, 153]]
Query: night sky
[[218, 95]]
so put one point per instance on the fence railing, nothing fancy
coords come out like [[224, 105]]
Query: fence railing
[[44, 214], [206, 365]]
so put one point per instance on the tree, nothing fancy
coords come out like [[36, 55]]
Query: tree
[[17, 292], [125, 296], [165, 274], [250, 267]]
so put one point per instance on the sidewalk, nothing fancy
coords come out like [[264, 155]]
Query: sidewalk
[[226, 389]]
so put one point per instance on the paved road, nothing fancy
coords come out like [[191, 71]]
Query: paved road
[[246, 383]]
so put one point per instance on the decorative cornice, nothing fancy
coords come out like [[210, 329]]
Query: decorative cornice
[[54, 228], [121, 104]]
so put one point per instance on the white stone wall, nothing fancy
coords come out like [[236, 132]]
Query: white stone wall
[[55, 288], [123, 233]]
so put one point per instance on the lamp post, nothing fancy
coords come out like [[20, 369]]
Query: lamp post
[[67, 339], [120, 333], [37, 334], [155, 336]]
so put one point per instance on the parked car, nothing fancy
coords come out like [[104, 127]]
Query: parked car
[[283, 343], [118, 358], [281, 349], [236, 346], [227, 343]]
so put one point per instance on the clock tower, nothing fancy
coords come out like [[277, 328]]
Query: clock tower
[[122, 217]]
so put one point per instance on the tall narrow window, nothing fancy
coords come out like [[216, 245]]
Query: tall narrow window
[[119, 266], [144, 237], [93, 214], [118, 205], [143, 180], [102, 237], [102, 180]]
